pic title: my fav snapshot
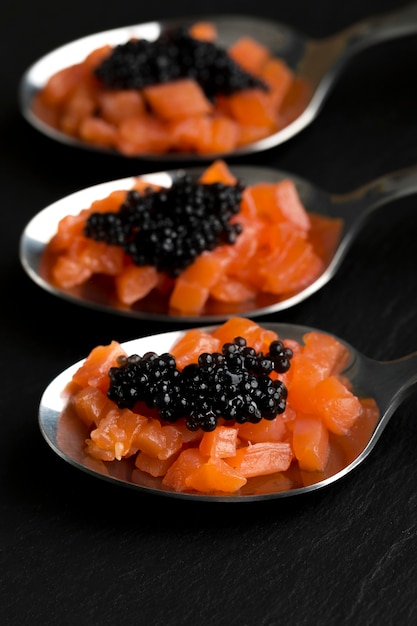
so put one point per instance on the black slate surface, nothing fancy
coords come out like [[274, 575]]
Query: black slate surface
[[78, 551]]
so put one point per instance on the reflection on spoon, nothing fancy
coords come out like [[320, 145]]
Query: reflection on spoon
[[353, 208], [386, 382], [315, 62]]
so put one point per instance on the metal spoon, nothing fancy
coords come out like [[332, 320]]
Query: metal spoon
[[385, 381], [317, 61], [353, 208]]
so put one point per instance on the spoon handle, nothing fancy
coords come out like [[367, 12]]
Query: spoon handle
[[392, 380], [326, 57], [356, 206], [378, 28]]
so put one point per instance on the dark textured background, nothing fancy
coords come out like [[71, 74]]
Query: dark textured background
[[78, 551]]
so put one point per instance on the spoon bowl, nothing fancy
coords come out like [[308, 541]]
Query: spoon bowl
[[317, 62], [353, 209], [385, 381]]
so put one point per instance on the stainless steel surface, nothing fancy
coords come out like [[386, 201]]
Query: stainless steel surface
[[354, 208], [319, 61], [387, 382]]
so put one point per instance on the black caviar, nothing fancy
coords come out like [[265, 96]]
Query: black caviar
[[233, 384], [175, 54], [169, 228]]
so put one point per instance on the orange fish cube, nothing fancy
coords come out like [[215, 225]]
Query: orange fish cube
[[310, 443], [177, 99]]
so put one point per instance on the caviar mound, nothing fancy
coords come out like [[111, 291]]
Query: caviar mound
[[182, 93], [232, 385], [170, 228], [228, 416], [175, 54], [206, 241]]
